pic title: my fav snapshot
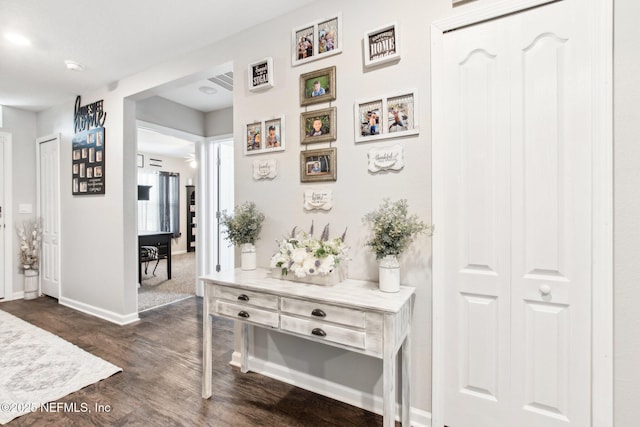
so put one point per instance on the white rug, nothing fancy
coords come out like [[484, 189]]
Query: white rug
[[37, 367]]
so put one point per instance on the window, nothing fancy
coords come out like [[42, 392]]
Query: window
[[161, 211]]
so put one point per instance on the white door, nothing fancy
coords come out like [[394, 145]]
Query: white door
[[2, 220], [517, 215], [49, 211]]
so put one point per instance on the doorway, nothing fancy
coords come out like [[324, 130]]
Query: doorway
[[6, 240], [519, 180]]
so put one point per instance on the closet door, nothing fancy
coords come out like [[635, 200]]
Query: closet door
[[517, 210]]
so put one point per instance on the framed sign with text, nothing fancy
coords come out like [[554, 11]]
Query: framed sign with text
[[261, 75]]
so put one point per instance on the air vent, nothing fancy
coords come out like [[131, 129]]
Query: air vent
[[224, 80]]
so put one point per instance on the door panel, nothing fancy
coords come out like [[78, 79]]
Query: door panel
[[517, 211], [49, 209]]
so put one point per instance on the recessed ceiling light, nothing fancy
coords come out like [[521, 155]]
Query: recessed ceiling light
[[74, 66], [17, 39], [208, 90]]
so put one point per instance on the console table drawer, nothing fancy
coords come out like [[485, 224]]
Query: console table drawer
[[247, 313], [324, 331], [246, 297], [324, 312]]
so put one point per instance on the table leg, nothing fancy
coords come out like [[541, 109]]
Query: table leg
[[207, 358], [406, 381], [169, 259], [244, 348], [389, 374]]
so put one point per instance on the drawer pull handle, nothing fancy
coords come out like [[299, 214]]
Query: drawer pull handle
[[243, 314], [319, 332], [318, 313], [243, 297]]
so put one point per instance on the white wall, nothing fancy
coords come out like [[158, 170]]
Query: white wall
[[219, 122], [176, 165], [627, 211], [22, 127]]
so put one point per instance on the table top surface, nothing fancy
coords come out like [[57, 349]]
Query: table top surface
[[153, 233], [349, 293]]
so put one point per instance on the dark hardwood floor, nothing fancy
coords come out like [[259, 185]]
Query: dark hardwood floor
[[160, 384]]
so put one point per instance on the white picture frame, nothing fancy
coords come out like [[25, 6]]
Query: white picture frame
[[381, 45], [260, 75], [316, 40], [391, 116], [260, 138]]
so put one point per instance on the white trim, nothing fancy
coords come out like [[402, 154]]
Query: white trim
[[140, 124], [602, 210], [8, 216], [119, 319], [357, 398], [41, 140]]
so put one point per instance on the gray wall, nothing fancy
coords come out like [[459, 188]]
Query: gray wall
[[161, 111], [219, 122], [22, 127]]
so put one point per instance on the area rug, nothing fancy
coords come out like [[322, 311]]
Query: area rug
[[156, 291], [37, 367]]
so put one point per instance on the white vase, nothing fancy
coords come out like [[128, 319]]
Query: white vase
[[30, 284], [247, 256], [389, 274]]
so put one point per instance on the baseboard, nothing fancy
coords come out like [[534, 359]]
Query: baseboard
[[14, 296], [110, 316], [366, 401], [184, 251]]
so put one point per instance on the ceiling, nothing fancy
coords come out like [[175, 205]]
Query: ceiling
[[112, 40]]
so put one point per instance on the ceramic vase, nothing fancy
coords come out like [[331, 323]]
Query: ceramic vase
[[247, 256], [389, 274], [30, 283]]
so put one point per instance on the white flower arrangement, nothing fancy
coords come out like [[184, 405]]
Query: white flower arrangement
[[30, 239], [305, 255]]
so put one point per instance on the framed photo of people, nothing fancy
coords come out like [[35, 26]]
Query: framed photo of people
[[316, 40], [386, 117], [88, 162], [381, 45], [260, 75], [318, 165], [318, 86], [265, 136], [318, 126]]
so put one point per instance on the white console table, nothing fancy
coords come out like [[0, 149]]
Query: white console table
[[353, 315]]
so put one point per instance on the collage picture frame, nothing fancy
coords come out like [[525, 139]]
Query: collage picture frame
[[386, 117], [318, 126], [318, 165], [265, 136], [316, 40], [318, 86]]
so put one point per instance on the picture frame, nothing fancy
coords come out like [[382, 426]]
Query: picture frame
[[260, 75], [253, 138], [381, 45], [318, 126], [396, 116], [274, 134], [318, 165], [88, 155], [318, 86], [316, 40]]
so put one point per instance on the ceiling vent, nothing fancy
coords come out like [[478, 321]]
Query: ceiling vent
[[225, 80]]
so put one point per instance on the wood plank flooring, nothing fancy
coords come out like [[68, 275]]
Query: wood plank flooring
[[160, 384]]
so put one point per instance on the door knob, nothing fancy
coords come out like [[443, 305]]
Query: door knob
[[545, 289]]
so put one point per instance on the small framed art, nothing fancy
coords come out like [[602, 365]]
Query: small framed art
[[318, 126], [274, 134], [381, 45], [316, 40], [318, 86], [386, 117], [318, 165], [260, 75]]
